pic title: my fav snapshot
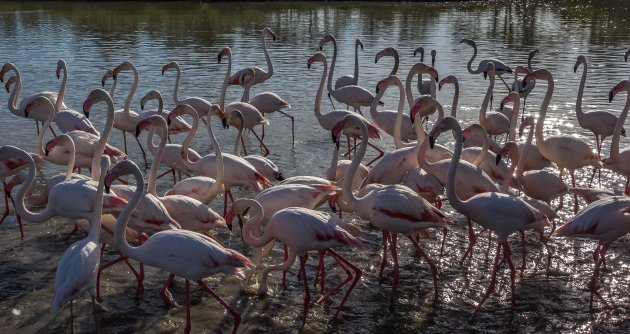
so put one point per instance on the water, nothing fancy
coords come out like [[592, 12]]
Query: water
[[95, 37]]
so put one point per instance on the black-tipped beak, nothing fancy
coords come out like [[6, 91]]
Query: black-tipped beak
[[103, 83], [436, 79], [431, 141], [218, 59], [575, 69], [137, 131], [321, 48], [610, 96], [57, 76], [377, 90], [225, 123], [501, 106], [498, 159], [485, 75], [106, 189], [26, 112], [168, 121], [308, 66], [163, 70], [46, 152]]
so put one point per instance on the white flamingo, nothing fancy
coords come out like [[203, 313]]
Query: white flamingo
[[261, 75]]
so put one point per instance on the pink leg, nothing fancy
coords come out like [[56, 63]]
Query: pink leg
[[188, 324], [6, 203], [627, 192], [592, 284], [524, 253], [307, 293], [384, 256], [237, 317], [74, 230], [357, 276], [445, 233], [19, 219], [380, 153], [292, 126], [144, 155], [124, 142], [243, 145], [472, 239], [321, 272], [493, 281], [507, 258], [284, 272], [164, 294], [265, 148], [489, 243], [396, 275], [431, 264], [575, 200]]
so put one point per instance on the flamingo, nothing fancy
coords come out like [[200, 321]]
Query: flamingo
[[394, 208], [251, 115], [125, 119], [351, 95], [418, 68], [495, 123], [261, 75], [349, 80], [424, 86], [451, 79], [177, 125], [269, 102], [481, 157], [202, 106], [600, 123], [618, 161], [389, 52], [518, 85], [109, 74], [263, 165], [502, 213], [566, 151], [66, 119], [190, 213], [500, 67], [471, 180], [188, 254], [605, 220], [301, 230], [78, 267], [328, 120], [18, 110], [538, 184]]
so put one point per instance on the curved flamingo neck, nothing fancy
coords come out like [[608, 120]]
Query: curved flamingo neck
[[469, 65], [423, 142], [578, 103], [13, 97], [62, 88], [332, 170], [127, 107], [529, 61], [346, 187], [515, 111], [239, 136], [269, 72], [176, 98], [252, 223], [409, 94], [451, 193], [102, 141], [520, 169], [478, 129], [540, 141], [399, 115], [614, 146], [510, 175], [226, 80], [71, 159], [155, 165], [21, 209], [123, 218], [455, 99], [486, 100], [332, 65], [215, 189], [320, 92], [355, 78], [396, 63], [94, 233], [193, 130], [50, 114]]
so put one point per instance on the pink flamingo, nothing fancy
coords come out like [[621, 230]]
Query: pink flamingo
[[188, 254], [394, 208], [451, 79], [301, 230], [177, 125], [481, 157], [508, 214], [78, 267], [518, 85], [500, 67], [65, 118], [389, 52], [619, 161], [202, 106], [424, 86], [564, 150], [495, 123], [605, 220], [261, 75], [330, 119]]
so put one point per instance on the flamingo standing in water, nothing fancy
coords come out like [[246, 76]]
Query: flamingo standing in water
[[261, 75], [502, 213], [188, 254], [66, 119], [500, 67], [329, 120], [519, 86], [619, 161], [301, 230], [424, 86], [78, 267], [566, 151], [177, 125], [394, 208], [605, 220]]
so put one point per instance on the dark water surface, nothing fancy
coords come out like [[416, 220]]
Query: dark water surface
[[95, 37]]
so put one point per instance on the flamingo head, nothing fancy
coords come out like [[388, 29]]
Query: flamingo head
[[446, 123], [10, 82], [172, 64], [469, 42], [95, 96], [268, 32], [527, 121], [580, 60], [178, 111], [423, 107], [318, 57], [326, 39], [509, 98], [14, 181], [155, 120], [122, 168], [533, 52], [240, 207], [61, 64], [151, 95], [61, 140], [6, 68], [226, 52], [124, 66], [421, 51], [39, 102], [490, 71], [383, 84], [449, 79], [108, 74], [621, 86], [359, 43], [521, 70], [510, 150], [392, 52]]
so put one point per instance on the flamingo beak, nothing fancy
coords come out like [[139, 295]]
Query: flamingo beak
[[498, 159], [485, 75], [87, 105], [225, 123], [332, 203], [229, 217], [431, 142]]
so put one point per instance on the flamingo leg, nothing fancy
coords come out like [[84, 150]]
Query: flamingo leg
[[124, 141], [592, 284], [445, 233], [188, 325], [505, 83], [523, 253], [384, 256], [575, 200], [94, 314], [493, 281], [74, 230], [321, 272], [396, 275], [71, 317], [545, 241], [243, 145], [357, 276], [430, 262], [165, 294], [262, 136], [144, 155], [6, 203], [168, 171], [472, 239], [380, 153], [307, 293], [508, 258], [292, 126], [19, 219], [285, 258], [523, 113], [329, 97], [627, 191], [489, 243], [265, 148]]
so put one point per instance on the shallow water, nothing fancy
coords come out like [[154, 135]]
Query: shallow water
[[95, 37]]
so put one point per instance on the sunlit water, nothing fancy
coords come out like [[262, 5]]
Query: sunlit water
[[95, 37]]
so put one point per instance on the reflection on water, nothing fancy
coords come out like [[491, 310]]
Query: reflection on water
[[95, 37]]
